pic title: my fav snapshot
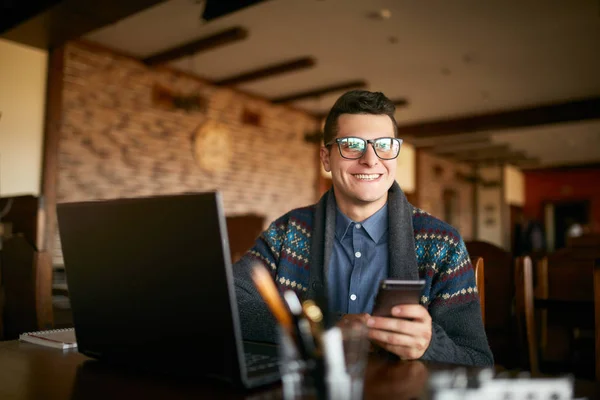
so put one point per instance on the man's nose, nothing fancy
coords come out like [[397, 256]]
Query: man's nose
[[369, 157]]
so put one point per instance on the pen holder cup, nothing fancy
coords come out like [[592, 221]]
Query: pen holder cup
[[316, 378]]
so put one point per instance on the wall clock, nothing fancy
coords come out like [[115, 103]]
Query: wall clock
[[212, 146]]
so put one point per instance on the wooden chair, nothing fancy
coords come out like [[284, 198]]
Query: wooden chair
[[553, 318], [19, 286], [480, 282], [243, 231], [1, 306], [597, 315], [498, 300], [587, 240], [525, 311]]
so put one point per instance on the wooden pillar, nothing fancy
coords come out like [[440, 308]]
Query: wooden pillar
[[47, 209], [475, 201], [414, 197]]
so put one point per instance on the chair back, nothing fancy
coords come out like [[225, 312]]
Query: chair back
[[19, 279], [243, 230], [525, 312], [498, 299], [1, 306], [597, 315], [572, 275], [563, 276], [585, 240], [552, 318], [500, 286], [480, 283]]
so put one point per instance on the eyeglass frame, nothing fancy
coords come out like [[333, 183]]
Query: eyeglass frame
[[367, 141]]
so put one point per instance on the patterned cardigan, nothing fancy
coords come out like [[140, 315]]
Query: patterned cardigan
[[296, 249]]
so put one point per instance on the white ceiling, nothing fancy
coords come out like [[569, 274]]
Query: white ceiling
[[448, 58]]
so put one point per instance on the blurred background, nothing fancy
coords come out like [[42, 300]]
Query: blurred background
[[498, 104]]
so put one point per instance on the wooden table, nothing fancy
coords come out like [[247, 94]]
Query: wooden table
[[29, 371]]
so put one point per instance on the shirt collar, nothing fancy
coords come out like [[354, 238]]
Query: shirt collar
[[375, 226], [342, 224]]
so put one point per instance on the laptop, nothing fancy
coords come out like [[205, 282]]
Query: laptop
[[151, 284]]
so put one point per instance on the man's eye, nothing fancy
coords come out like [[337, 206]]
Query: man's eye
[[383, 143]]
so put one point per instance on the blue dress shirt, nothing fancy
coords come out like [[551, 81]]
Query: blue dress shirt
[[359, 261]]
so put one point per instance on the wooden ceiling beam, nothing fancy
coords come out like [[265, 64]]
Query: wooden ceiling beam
[[561, 167], [400, 102], [518, 159], [530, 162], [219, 8], [569, 111], [13, 13], [459, 147], [320, 91], [53, 23], [489, 152], [496, 154], [219, 39], [432, 141], [269, 71]]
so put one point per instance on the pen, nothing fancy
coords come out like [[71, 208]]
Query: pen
[[315, 316], [304, 337], [267, 289]]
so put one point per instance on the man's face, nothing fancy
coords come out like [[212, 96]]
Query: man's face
[[364, 181]]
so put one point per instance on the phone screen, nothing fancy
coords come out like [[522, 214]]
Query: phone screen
[[395, 292]]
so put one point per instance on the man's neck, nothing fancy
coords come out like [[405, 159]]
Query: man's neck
[[359, 212]]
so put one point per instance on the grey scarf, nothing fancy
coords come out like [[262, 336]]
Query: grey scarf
[[402, 256]]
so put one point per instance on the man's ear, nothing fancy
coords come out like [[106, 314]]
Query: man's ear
[[324, 155]]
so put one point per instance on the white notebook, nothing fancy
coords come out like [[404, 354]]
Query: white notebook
[[58, 338]]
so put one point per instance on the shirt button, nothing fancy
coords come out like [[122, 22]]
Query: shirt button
[[358, 226], [353, 297], [357, 254]]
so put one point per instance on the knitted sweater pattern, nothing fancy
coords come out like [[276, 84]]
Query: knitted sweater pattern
[[442, 259]]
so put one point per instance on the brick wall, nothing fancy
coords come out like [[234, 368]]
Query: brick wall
[[435, 175], [116, 143]]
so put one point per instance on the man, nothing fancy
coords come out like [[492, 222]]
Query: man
[[362, 231]]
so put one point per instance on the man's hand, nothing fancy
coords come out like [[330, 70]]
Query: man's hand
[[407, 334], [349, 318]]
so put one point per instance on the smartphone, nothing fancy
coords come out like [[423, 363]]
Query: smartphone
[[393, 292]]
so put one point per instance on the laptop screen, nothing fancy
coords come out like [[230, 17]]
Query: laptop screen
[[150, 282]]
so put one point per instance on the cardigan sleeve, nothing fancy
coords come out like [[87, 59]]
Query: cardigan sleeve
[[458, 335], [257, 322]]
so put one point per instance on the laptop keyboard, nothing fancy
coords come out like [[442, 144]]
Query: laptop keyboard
[[258, 362]]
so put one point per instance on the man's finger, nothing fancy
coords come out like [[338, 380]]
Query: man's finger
[[393, 338], [401, 351], [395, 325], [411, 311]]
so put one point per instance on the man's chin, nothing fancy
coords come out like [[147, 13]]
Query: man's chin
[[367, 198]]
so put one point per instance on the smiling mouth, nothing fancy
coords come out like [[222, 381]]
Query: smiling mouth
[[366, 177]]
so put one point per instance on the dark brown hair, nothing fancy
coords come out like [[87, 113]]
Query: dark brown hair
[[358, 102]]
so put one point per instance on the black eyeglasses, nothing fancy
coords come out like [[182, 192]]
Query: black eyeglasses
[[353, 148]]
